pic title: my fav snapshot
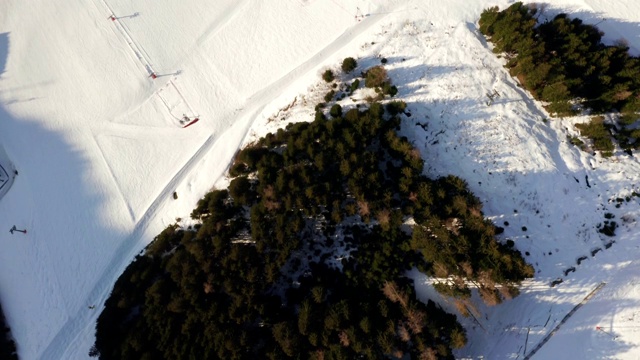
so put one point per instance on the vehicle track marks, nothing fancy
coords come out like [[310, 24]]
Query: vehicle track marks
[[564, 320]]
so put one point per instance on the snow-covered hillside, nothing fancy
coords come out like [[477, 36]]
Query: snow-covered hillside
[[100, 149]]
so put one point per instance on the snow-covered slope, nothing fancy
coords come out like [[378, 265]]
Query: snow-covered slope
[[100, 149]]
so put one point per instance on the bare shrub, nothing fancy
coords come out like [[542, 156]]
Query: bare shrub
[[458, 281], [269, 194], [376, 76], [319, 354], [475, 211], [428, 354], [208, 288], [403, 333], [415, 154], [344, 338], [467, 268], [458, 339], [461, 307], [622, 95], [440, 270], [415, 320], [384, 216], [363, 208], [489, 296], [391, 291], [486, 280]]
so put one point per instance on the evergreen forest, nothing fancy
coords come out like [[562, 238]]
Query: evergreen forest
[[304, 255], [564, 63], [7, 345]]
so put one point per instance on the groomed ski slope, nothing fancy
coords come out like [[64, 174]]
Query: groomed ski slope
[[100, 149]]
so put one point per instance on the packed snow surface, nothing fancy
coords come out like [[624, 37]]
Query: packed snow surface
[[94, 96]]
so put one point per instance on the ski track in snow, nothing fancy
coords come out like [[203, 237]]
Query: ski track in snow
[[564, 320], [127, 249], [139, 52], [216, 26], [115, 182]]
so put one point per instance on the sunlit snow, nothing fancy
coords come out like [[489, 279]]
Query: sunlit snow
[[90, 117]]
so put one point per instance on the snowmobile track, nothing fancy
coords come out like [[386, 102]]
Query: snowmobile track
[[564, 320]]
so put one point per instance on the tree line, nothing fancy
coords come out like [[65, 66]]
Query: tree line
[[304, 254], [563, 61]]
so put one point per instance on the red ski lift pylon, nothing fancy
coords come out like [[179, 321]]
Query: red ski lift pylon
[[191, 123]]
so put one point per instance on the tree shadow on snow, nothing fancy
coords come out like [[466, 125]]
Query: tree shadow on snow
[[615, 30]]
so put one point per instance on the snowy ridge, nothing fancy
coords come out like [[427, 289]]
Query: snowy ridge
[[99, 150]]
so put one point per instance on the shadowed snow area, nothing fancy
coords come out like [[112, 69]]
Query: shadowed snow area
[[92, 109], [7, 172]]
